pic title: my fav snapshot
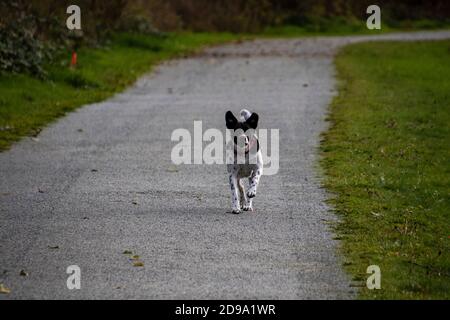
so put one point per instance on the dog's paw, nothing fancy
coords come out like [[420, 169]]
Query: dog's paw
[[247, 207], [251, 193], [236, 211]]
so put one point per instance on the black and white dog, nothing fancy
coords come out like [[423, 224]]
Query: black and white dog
[[245, 160]]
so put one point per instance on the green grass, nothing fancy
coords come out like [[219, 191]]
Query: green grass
[[347, 26], [387, 161], [27, 103], [330, 28]]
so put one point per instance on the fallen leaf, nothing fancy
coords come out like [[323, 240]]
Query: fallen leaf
[[5, 128], [138, 264], [135, 257], [172, 169], [127, 252], [36, 132], [4, 289], [376, 214], [53, 247]]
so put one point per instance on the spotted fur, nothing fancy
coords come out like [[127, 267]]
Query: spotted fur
[[251, 170]]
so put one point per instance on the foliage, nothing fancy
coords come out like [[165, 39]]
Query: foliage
[[20, 51]]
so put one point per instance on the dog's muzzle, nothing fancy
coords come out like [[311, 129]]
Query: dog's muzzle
[[245, 144]]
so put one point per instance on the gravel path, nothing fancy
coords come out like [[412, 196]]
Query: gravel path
[[100, 181]]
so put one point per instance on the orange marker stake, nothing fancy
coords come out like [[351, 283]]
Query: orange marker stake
[[73, 62]]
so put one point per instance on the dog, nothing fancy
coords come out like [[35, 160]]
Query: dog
[[245, 160]]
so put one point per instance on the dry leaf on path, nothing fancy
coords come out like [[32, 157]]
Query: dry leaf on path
[[4, 289], [138, 264]]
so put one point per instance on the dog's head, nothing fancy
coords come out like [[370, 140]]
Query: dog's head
[[244, 129]]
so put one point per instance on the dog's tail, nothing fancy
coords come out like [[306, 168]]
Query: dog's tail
[[245, 114]]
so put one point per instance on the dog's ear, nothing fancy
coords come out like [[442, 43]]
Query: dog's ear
[[253, 120], [230, 120]]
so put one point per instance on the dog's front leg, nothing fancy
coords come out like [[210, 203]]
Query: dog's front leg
[[253, 182], [242, 196], [246, 203], [236, 207]]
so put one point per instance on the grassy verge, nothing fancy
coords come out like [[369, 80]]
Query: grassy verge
[[345, 26], [27, 104], [386, 158]]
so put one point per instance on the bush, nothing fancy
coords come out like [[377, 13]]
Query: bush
[[20, 50]]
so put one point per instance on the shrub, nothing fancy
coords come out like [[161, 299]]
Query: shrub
[[20, 50]]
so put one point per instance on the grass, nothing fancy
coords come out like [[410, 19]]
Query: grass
[[347, 26], [387, 161], [27, 103], [330, 28]]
